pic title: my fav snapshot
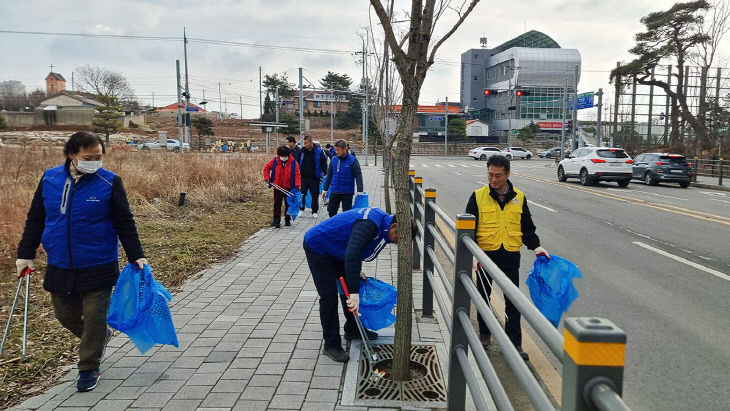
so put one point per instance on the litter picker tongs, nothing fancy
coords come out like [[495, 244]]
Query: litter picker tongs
[[370, 354], [24, 275], [282, 189]]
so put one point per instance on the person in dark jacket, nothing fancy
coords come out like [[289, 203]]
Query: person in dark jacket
[[342, 175], [503, 224], [312, 163], [282, 170], [329, 150], [80, 213], [291, 142], [337, 247]]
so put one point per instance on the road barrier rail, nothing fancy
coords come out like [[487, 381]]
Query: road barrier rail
[[591, 350]]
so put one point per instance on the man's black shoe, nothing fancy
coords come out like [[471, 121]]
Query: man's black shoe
[[484, 339], [522, 353], [336, 353], [276, 224], [356, 335], [287, 223]]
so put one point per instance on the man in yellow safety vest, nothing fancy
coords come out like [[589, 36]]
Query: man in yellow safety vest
[[503, 224]]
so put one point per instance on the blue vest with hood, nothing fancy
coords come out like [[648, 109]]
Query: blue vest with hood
[[343, 178], [330, 237], [317, 154], [78, 231]]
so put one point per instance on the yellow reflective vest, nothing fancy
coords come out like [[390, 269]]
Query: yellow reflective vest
[[498, 227]]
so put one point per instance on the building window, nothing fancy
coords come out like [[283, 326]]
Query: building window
[[317, 104], [476, 78]]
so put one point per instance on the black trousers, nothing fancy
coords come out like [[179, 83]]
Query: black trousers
[[336, 199], [326, 271], [311, 185], [509, 262]]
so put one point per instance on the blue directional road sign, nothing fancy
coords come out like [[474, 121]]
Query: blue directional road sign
[[439, 118], [585, 100]]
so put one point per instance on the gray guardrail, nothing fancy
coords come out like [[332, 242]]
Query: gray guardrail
[[591, 350]]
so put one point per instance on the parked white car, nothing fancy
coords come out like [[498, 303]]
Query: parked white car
[[593, 164], [173, 145], [483, 153], [516, 152]]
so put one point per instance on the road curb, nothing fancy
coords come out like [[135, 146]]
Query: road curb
[[710, 186]]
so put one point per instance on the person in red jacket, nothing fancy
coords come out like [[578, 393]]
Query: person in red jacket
[[283, 171]]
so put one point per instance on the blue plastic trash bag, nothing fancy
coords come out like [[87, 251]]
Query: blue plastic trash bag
[[321, 188], [551, 286], [308, 199], [361, 201], [295, 203], [139, 309], [377, 299]]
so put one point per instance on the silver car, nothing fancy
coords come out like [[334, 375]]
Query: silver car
[[483, 153], [516, 152], [172, 144]]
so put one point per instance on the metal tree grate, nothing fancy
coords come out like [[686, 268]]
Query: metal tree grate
[[429, 386]]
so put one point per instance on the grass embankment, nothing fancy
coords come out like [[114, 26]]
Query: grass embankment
[[226, 202]]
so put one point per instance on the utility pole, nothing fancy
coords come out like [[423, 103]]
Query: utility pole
[[179, 115], [367, 111], [240, 103], [153, 99], [301, 106], [446, 126], [277, 114], [332, 118], [509, 111], [574, 129], [188, 129], [598, 119], [364, 85], [220, 103], [261, 106], [564, 109], [73, 86]]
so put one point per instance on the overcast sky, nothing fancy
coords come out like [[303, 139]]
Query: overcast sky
[[601, 30]]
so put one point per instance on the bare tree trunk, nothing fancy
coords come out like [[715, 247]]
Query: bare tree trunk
[[404, 140]]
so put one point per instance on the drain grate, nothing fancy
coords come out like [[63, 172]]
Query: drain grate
[[427, 384]]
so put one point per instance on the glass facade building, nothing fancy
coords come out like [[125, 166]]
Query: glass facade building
[[532, 62]]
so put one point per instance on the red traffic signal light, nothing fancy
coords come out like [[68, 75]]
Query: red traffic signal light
[[520, 93], [488, 92]]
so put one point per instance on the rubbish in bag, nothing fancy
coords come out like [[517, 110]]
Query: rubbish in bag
[[295, 203], [139, 308], [361, 201], [377, 299], [551, 286], [308, 200]]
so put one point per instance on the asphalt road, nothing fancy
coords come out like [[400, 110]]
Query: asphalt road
[[655, 261]]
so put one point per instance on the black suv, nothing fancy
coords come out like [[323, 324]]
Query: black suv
[[656, 167]]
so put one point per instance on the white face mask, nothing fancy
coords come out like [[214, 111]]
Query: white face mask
[[88, 167], [283, 158]]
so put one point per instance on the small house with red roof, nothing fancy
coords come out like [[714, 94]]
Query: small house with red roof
[[173, 107]]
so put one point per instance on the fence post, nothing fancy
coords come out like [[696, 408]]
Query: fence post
[[696, 167], [465, 226], [411, 176], [595, 351], [417, 199], [719, 180], [429, 218]]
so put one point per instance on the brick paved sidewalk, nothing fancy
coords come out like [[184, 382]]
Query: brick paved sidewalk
[[249, 333]]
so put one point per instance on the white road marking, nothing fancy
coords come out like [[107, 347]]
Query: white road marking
[[484, 184], [439, 165], [424, 165], [457, 173], [541, 206], [451, 165], [465, 165], [722, 201], [714, 193], [645, 192], [685, 261]]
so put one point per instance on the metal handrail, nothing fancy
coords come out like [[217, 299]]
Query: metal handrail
[[471, 380], [534, 392], [606, 399], [420, 190], [439, 301], [445, 247], [440, 271], [444, 217], [419, 226], [485, 366], [542, 326], [420, 209]]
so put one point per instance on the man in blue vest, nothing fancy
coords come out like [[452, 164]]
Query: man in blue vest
[[342, 175], [80, 214], [336, 248], [312, 164]]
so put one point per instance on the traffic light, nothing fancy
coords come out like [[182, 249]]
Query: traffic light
[[488, 92], [520, 93]]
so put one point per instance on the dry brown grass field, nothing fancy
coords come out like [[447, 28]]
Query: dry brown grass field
[[226, 202]]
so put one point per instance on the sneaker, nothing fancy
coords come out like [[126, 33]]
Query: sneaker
[[356, 335], [522, 353], [276, 224], [336, 353], [87, 380], [485, 340], [287, 223], [315, 215]]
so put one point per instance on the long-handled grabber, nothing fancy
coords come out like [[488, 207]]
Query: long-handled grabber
[[282, 189], [370, 354], [24, 275]]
